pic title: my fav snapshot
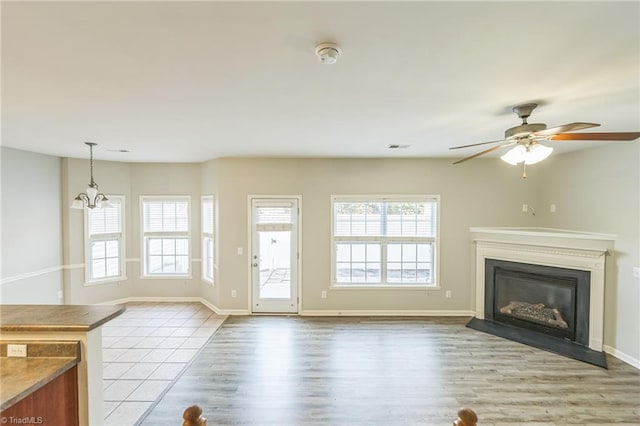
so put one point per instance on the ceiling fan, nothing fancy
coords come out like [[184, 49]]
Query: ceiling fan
[[526, 139]]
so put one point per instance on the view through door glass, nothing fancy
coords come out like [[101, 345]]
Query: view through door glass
[[275, 264]]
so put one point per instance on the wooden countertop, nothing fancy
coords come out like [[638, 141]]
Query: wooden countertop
[[20, 377], [56, 317]]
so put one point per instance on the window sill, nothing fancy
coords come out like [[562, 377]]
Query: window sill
[[384, 287], [166, 277]]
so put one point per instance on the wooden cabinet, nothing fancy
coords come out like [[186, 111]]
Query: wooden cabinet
[[54, 404]]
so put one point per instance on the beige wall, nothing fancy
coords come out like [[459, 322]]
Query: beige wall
[[481, 193], [597, 190], [31, 257], [131, 180]]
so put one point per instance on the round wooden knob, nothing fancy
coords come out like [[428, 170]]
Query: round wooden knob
[[466, 417], [193, 417]]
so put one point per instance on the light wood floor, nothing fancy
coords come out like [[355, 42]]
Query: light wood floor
[[389, 371]]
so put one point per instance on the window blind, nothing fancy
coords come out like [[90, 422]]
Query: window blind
[[166, 216]]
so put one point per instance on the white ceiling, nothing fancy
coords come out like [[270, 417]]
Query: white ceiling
[[191, 81]]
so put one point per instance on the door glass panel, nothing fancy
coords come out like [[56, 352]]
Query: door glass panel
[[275, 264]]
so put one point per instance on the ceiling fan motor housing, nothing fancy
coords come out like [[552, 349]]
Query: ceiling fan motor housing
[[524, 130]]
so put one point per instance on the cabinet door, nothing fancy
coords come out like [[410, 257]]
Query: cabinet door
[[55, 404]]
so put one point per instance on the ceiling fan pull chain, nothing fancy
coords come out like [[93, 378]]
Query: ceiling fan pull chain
[[524, 170]]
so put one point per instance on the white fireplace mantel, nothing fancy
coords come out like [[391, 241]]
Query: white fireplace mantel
[[550, 247]]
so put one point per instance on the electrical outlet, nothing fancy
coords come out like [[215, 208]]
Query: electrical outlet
[[636, 271], [525, 208], [17, 351], [447, 294], [234, 293], [323, 294], [60, 294]]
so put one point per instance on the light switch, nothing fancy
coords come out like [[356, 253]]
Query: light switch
[[240, 251]]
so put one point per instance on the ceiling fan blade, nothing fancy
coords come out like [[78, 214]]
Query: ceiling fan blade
[[565, 128], [475, 144], [614, 136], [486, 151]]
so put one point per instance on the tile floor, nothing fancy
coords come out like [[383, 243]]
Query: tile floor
[[145, 349]]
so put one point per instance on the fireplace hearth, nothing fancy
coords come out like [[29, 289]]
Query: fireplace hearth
[[543, 288]]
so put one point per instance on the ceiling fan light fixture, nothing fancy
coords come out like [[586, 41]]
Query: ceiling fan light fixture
[[515, 155], [536, 153], [531, 154]]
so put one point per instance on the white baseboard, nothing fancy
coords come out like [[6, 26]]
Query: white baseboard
[[622, 356], [220, 311], [386, 313], [189, 299], [152, 299]]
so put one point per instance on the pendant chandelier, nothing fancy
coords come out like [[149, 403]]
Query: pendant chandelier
[[91, 198]]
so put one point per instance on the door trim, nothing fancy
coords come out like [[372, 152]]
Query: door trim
[[298, 259]]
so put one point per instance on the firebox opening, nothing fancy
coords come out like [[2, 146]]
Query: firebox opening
[[542, 303]]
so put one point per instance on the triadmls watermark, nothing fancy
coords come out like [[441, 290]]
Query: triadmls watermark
[[23, 420]]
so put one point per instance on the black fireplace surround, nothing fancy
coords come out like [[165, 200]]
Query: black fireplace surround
[[543, 306]]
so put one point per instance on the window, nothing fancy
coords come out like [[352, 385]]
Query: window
[[207, 238], [166, 239], [104, 242], [385, 241]]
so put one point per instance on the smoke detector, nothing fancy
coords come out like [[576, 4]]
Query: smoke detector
[[328, 53]]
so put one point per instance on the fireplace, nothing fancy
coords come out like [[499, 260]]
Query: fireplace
[[542, 287], [546, 299]]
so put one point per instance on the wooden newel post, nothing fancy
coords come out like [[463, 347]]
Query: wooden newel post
[[193, 417], [466, 417]]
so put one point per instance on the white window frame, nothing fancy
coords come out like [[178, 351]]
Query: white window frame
[[145, 235], [208, 253], [89, 239], [383, 241]]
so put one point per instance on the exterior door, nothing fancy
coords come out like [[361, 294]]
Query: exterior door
[[274, 255]]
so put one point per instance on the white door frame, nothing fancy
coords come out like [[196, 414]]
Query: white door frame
[[298, 258]]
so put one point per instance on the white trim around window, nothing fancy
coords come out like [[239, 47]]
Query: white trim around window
[[104, 231], [208, 244], [166, 236], [385, 241]]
